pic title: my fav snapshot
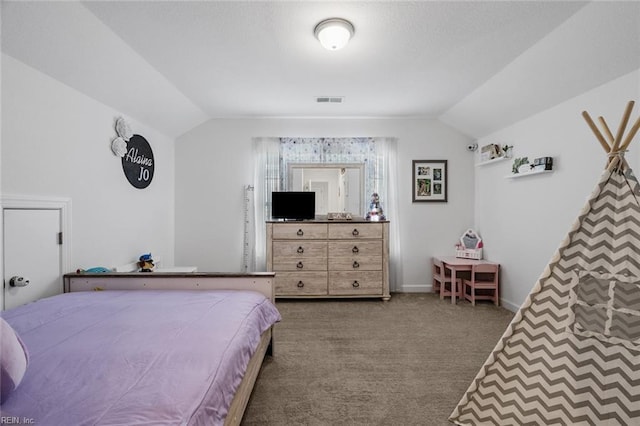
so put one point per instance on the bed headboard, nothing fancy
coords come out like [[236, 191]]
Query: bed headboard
[[262, 282]]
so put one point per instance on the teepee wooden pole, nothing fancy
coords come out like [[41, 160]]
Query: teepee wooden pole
[[607, 132], [630, 135], [610, 140], [613, 163], [623, 125], [596, 132], [611, 144]]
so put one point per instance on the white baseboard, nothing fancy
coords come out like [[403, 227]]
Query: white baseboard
[[508, 305], [417, 288], [422, 288]]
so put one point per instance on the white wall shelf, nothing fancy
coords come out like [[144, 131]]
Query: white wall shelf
[[535, 172], [495, 160]]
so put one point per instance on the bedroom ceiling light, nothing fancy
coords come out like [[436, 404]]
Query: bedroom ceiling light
[[334, 33]]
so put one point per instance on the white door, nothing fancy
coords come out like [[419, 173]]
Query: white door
[[32, 250]]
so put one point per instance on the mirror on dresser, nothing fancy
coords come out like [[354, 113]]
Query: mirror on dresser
[[338, 187]]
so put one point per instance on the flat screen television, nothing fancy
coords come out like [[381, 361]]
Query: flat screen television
[[292, 205]]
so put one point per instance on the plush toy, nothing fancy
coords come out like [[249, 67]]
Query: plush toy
[[375, 212], [146, 263], [94, 270]]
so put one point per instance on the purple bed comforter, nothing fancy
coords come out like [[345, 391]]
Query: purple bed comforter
[[136, 357]]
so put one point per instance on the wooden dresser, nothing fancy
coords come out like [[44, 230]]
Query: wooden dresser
[[326, 258]]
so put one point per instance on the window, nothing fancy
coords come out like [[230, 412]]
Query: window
[[605, 306], [270, 169]]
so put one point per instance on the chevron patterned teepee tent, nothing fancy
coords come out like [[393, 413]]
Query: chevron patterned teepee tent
[[571, 355]]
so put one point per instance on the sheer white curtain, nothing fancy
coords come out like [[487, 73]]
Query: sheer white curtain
[[386, 153], [266, 179]]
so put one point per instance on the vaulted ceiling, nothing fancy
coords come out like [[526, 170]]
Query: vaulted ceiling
[[476, 65]]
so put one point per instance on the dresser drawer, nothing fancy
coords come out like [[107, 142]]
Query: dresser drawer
[[355, 283], [300, 265], [359, 263], [303, 284], [355, 248], [299, 249], [355, 231], [299, 231]]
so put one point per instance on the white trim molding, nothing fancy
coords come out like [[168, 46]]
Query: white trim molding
[[413, 288]]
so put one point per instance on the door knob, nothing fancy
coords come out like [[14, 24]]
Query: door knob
[[17, 281]]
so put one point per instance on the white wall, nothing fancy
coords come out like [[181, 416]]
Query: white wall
[[523, 221], [56, 143], [215, 160]]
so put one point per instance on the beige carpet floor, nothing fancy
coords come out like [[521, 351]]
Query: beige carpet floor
[[367, 362]]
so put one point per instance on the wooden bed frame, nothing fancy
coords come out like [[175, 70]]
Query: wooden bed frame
[[262, 282]]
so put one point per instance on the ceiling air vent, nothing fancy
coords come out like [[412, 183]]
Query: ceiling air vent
[[330, 99]]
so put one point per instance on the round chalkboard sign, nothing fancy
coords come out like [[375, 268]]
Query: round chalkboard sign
[[138, 163]]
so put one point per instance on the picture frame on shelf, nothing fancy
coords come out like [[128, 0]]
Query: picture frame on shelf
[[490, 151], [430, 182]]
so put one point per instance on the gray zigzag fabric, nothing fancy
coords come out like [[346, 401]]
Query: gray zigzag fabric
[[572, 353]]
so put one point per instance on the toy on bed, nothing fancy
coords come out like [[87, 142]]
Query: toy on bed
[[146, 263]]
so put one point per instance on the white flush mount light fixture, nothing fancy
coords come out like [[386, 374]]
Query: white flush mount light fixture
[[334, 33]]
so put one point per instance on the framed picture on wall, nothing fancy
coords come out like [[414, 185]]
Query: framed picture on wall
[[429, 181]]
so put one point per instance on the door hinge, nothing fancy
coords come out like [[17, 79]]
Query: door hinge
[[60, 238]]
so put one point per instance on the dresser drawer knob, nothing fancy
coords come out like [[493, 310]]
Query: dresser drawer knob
[[299, 265], [355, 249], [300, 284], [355, 233], [300, 250], [355, 284], [300, 232], [356, 265]]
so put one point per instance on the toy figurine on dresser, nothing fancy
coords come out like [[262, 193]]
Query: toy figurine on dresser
[[375, 212]]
